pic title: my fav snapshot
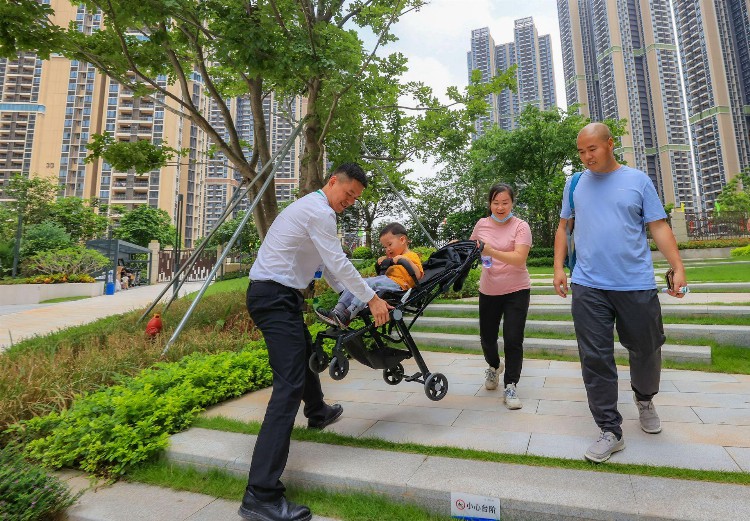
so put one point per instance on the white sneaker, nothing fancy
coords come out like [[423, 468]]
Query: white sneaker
[[491, 377], [604, 447], [512, 401]]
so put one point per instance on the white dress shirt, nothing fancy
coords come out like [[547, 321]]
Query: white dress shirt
[[303, 240]]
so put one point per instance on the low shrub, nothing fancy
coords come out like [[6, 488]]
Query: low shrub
[[74, 261], [540, 252], [424, 252], [713, 243], [232, 275], [28, 492], [362, 252], [540, 261], [741, 252], [58, 278], [470, 287], [109, 431]]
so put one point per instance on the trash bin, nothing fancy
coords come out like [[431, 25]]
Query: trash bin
[[109, 288]]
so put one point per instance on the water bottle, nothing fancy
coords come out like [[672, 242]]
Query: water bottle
[[486, 261]]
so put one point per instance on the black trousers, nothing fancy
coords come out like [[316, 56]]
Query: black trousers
[[637, 317], [277, 311], [512, 309]]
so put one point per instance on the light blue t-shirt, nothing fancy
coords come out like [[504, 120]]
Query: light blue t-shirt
[[611, 213]]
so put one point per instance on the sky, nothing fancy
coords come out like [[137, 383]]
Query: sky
[[436, 39]]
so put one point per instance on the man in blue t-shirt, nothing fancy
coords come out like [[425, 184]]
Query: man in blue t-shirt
[[613, 283]]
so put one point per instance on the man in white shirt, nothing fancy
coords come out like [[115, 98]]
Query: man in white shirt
[[301, 242]]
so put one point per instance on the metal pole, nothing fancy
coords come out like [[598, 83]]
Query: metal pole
[[280, 154], [17, 245], [177, 240], [219, 262], [400, 196], [190, 262]]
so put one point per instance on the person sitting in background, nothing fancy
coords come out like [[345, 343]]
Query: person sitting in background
[[395, 241]]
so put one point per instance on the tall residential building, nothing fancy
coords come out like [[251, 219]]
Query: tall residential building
[[222, 181], [535, 73], [713, 39], [482, 57], [50, 108], [676, 79]]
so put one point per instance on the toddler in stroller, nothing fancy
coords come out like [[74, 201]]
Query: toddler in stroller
[[371, 346], [399, 269]]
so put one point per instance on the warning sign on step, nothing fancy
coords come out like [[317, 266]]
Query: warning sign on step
[[474, 508]]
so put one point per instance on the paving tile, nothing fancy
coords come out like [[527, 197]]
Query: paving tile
[[243, 414], [385, 396], [741, 456], [401, 413], [723, 415], [675, 375], [477, 439], [689, 386], [731, 401], [522, 421], [690, 500], [558, 393], [350, 426], [491, 401], [136, 502], [629, 412], [638, 451], [696, 433]]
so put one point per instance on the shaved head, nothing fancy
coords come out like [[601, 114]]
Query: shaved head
[[599, 130], [596, 148]]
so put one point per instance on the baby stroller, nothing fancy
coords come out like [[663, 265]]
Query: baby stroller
[[372, 346]]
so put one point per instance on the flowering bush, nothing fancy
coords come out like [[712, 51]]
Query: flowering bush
[[27, 492]]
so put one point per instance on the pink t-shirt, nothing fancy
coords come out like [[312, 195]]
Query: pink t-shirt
[[502, 278]]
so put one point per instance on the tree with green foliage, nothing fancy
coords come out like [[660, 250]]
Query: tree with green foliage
[[735, 197], [144, 224], [45, 236], [248, 239], [78, 218], [534, 158], [30, 196], [236, 48]]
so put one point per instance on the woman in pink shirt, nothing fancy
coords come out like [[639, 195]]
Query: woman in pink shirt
[[504, 290]]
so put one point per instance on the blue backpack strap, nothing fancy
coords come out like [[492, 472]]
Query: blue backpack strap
[[573, 182]]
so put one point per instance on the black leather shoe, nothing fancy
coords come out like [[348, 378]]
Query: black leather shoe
[[254, 509], [331, 415]]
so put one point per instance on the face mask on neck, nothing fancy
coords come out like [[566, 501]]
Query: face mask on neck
[[501, 221]]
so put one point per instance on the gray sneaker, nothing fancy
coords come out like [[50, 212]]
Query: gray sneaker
[[491, 376], [604, 447], [650, 421], [512, 401]]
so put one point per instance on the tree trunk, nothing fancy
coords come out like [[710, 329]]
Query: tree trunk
[[311, 170], [265, 212]]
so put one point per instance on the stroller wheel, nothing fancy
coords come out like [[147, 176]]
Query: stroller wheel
[[318, 365], [393, 375], [338, 368], [436, 386]]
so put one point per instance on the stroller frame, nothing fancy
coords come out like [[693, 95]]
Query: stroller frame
[[408, 307]]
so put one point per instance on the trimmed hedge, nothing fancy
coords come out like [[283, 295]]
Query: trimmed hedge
[[714, 243], [109, 431], [741, 252]]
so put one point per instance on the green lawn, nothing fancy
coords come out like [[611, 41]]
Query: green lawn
[[62, 299]]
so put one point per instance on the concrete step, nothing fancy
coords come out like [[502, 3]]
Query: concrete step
[[677, 310], [675, 353], [730, 335], [524, 492], [123, 501]]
